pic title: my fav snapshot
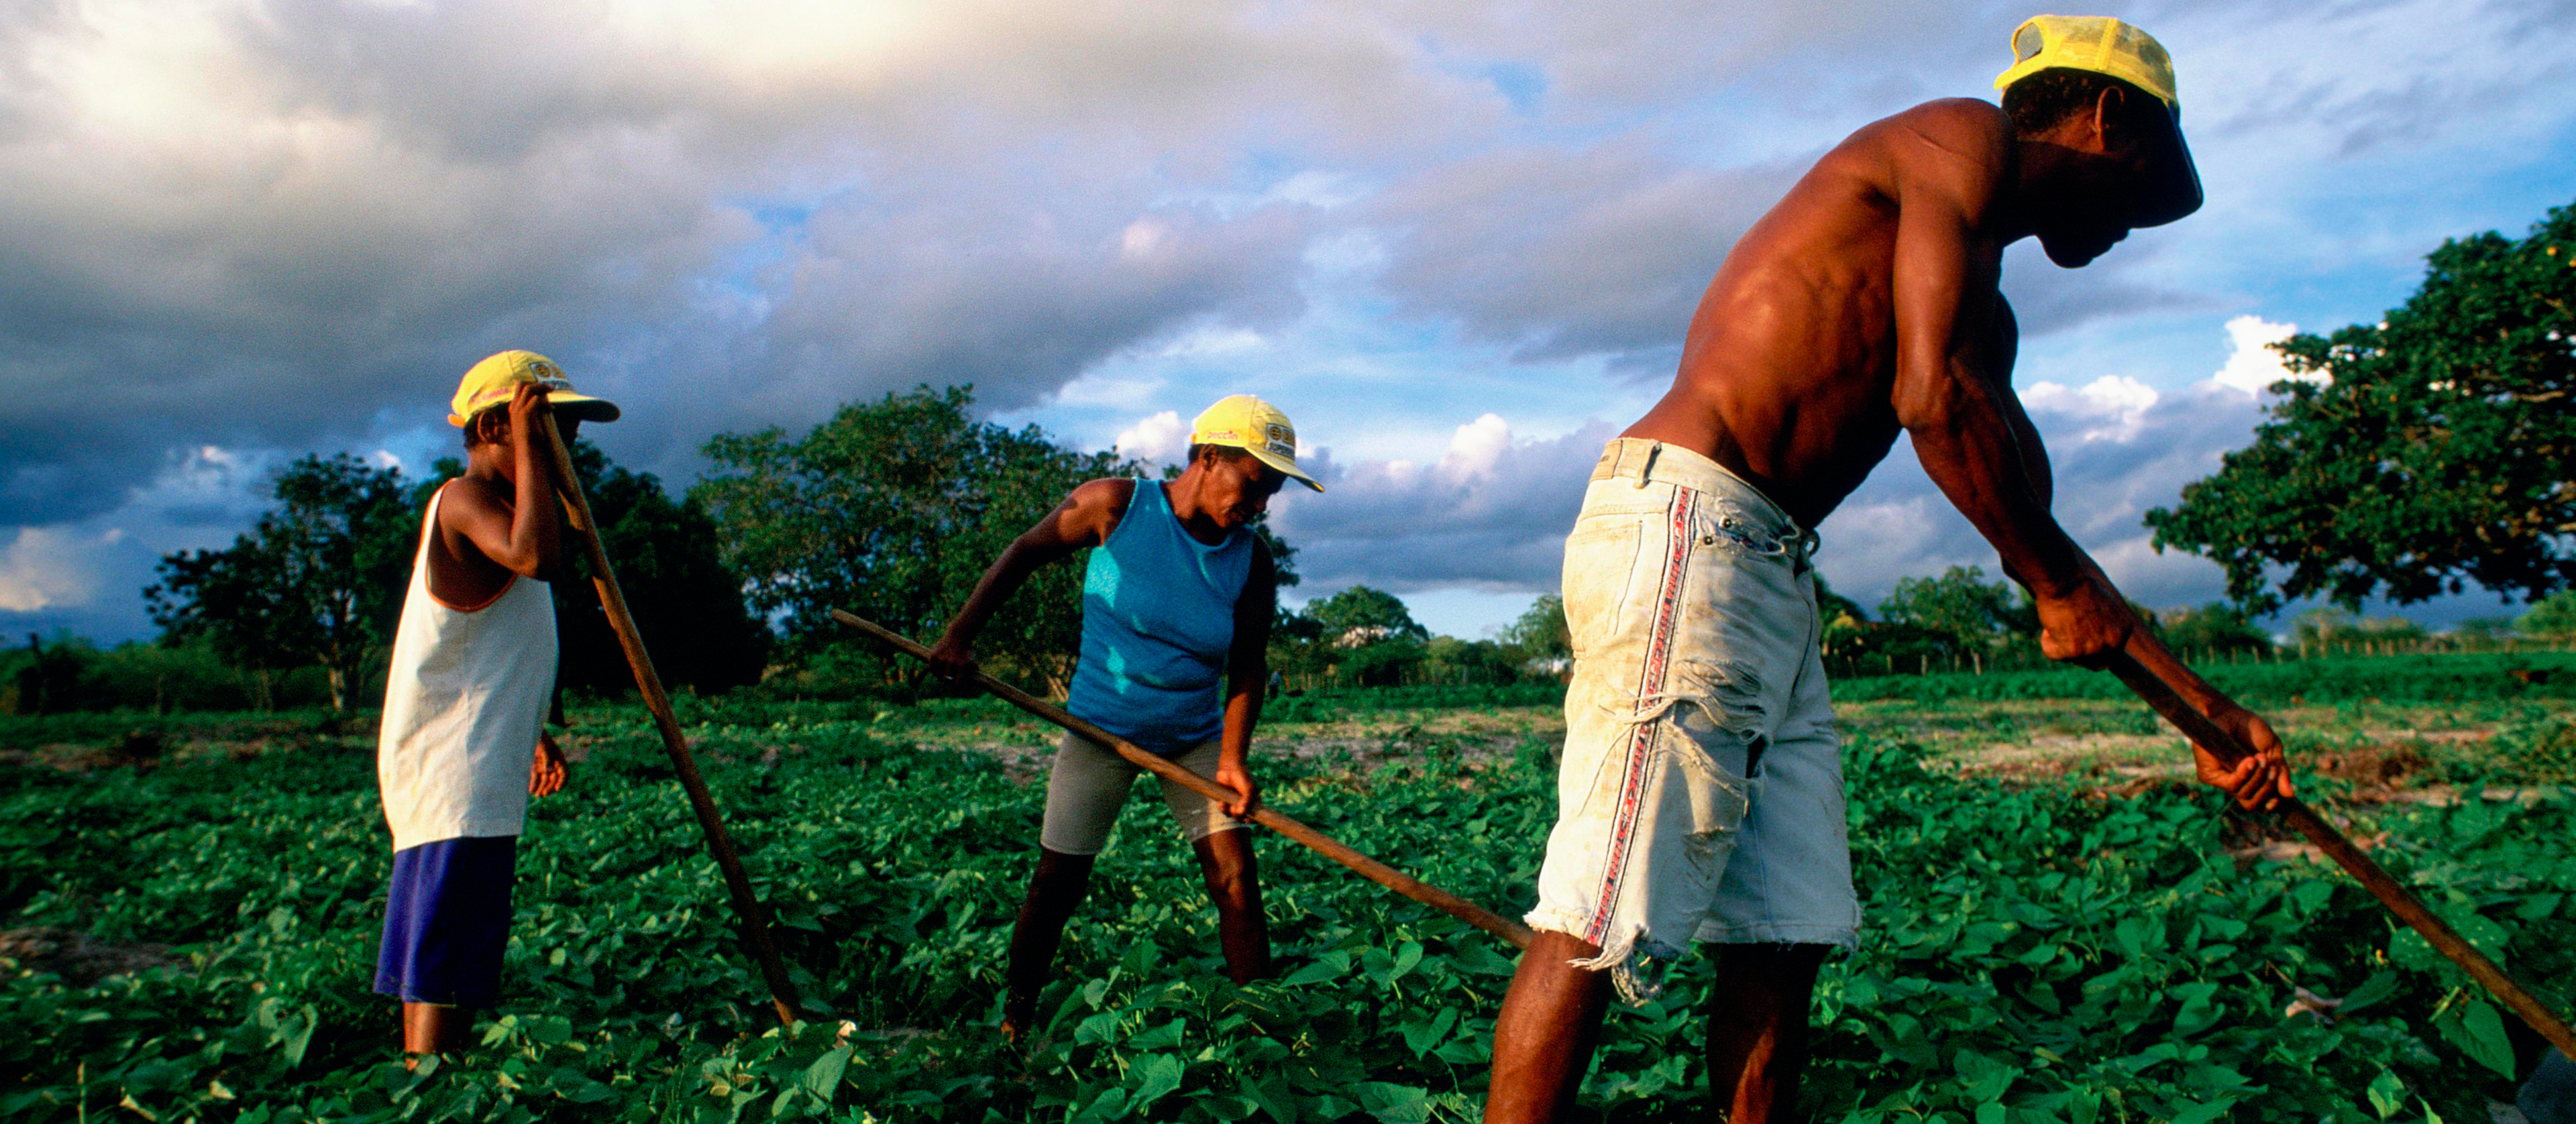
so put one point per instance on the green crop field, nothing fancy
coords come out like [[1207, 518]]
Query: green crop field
[[2060, 927]]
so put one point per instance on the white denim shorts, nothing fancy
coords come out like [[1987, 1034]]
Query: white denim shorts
[[1701, 793], [1089, 785]]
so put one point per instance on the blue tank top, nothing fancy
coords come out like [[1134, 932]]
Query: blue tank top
[[1157, 622]]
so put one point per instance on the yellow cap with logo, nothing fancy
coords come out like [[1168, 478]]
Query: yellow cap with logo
[[2116, 49], [2100, 44], [1244, 422], [497, 378]]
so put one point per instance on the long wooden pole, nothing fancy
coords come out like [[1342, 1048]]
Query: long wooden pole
[[746, 905], [1369, 868], [2388, 890]]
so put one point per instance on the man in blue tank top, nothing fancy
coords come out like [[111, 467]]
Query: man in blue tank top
[[1176, 610]]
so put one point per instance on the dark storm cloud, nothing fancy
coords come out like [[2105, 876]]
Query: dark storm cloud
[[1558, 253], [1490, 512]]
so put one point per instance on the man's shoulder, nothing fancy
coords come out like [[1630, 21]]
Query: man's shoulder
[[1108, 493], [465, 496], [1962, 145]]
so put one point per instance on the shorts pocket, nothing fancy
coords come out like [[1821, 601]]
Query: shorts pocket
[[1600, 562]]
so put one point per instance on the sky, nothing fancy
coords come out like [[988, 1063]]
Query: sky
[[1457, 242]]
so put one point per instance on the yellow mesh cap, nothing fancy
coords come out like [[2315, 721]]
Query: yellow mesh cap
[[2115, 49], [1254, 426], [2100, 44], [493, 381]]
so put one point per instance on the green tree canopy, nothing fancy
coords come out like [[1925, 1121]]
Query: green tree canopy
[[1541, 633], [2334, 624], [319, 579], [2414, 455], [1978, 615], [2554, 616], [1362, 614], [2215, 626], [892, 509]]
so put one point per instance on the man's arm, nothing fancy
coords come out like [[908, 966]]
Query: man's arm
[[1954, 397], [1959, 410], [1247, 678], [527, 537], [1085, 518]]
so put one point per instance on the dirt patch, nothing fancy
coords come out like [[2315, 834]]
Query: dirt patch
[[2370, 767], [140, 750], [79, 958]]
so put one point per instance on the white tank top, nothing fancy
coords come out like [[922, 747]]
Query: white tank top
[[465, 700]]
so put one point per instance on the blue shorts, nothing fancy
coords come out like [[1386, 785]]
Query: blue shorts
[[447, 921]]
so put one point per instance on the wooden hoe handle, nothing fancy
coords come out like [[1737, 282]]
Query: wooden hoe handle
[[1369, 868], [746, 905], [2388, 890]]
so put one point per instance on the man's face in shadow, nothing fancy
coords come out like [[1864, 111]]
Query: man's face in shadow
[[2120, 168]]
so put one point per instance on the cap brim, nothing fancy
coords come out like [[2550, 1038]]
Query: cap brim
[[1285, 466], [582, 407], [2174, 190]]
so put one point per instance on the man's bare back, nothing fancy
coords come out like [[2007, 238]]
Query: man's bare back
[[1789, 373]]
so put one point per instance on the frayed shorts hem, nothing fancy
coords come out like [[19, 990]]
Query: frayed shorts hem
[[1843, 937]]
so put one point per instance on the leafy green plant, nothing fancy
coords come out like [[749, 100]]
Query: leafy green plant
[[2035, 952]]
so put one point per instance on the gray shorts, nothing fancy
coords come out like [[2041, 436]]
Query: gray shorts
[[1701, 793], [1089, 785]]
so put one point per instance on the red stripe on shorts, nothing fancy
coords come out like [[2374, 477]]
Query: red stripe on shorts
[[1641, 741]]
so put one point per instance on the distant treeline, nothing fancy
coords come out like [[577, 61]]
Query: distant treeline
[[892, 509]]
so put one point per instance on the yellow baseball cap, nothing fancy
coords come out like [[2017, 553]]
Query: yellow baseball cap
[[493, 381], [2119, 50], [1254, 426]]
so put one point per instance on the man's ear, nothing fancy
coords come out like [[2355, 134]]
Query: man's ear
[[2106, 125], [492, 427]]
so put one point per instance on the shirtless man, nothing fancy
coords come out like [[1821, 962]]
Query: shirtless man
[[1701, 791]]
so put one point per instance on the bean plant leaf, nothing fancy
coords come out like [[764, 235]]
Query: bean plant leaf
[[823, 1078], [1161, 1074], [2379, 986], [2476, 1029]]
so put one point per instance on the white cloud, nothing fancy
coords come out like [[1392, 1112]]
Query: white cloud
[[2111, 408], [2252, 366], [1475, 448], [1162, 437], [46, 568]]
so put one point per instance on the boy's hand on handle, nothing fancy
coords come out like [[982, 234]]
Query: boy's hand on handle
[[527, 404], [1233, 775], [2258, 783], [953, 658], [546, 771]]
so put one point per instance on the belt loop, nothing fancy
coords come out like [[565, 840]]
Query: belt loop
[[1647, 467]]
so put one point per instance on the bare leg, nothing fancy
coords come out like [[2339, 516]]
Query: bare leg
[[1543, 1039], [1225, 858], [431, 1028], [1054, 892], [1757, 1029]]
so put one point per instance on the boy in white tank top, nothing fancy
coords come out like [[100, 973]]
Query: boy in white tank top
[[462, 745]]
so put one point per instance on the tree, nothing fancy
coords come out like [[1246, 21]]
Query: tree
[[2216, 626], [1541, 632], [2553, 617], [892, 509], [2415, 455], [1361, 615], [319, 579], [1976, 615], [2334, 624]]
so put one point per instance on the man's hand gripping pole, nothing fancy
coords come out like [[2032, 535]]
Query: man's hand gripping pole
[[2223, 745]]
